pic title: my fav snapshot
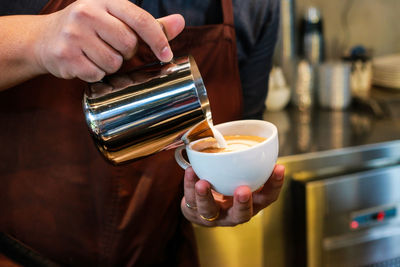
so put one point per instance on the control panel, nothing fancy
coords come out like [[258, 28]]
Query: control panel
[[375, 216]]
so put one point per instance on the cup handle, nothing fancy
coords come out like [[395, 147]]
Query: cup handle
[[180, 159]]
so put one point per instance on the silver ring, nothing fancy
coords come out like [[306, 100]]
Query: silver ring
[[191, 207]]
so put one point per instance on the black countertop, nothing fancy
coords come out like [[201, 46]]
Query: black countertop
[[372, 121]]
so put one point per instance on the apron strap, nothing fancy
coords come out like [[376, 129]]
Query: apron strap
[[227, 11], [55, 5]]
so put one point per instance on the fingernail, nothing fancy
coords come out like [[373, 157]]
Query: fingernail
[[202, 191], [166, 54], [280, 170], [244, 198]]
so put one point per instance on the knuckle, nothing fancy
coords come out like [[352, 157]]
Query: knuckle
[[69, 33], [92, 76], [114, 62], [81, 11], [98, 76], [62, 53], [65, 74], [128, 43], [142, 19]]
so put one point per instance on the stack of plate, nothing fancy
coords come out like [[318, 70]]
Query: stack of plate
[[386, 71]]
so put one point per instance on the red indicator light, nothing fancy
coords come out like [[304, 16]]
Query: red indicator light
[[380, 216], [354, 224]]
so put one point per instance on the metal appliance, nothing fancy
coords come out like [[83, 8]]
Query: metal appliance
[[345, 207]]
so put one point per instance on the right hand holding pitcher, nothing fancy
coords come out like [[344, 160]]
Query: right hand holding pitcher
[[90, 38]]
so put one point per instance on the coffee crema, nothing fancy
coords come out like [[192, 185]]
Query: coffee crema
[[233, 142]]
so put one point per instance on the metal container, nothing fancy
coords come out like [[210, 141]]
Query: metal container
[[285, 49], [334, 90], [303, 90], [312, 34], [156, 107]]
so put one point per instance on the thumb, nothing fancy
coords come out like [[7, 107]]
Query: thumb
[[172, 25]]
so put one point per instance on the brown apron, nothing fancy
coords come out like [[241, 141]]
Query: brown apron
[[58, 195]]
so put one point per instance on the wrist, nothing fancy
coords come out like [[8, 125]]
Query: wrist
[[36, 44], [18, 63]]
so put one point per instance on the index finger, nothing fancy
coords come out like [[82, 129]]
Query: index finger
[[144, 24], [190, 180]]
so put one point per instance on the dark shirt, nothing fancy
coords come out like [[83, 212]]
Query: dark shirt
[[256, 26], [19, 7]]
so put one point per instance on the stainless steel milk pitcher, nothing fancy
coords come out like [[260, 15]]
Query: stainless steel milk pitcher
[[147, 110]]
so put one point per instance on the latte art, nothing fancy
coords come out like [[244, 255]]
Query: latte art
[[233, 143]]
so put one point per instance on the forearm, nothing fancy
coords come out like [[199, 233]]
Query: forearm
[[87, 40], [19, 35]]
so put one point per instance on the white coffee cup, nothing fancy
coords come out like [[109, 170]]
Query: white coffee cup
[[226, 171]]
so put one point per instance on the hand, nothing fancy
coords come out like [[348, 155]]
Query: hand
[[200, 202], [91, 38]]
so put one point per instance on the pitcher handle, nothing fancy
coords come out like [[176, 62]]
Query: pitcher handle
[[180, 159]]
